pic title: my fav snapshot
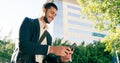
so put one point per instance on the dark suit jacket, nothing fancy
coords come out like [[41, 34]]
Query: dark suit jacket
[[28, 41]]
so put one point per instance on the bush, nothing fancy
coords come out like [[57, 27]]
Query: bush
[[6, 50], [92, 53]]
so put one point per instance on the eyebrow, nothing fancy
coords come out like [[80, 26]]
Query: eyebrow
[[54, 13]]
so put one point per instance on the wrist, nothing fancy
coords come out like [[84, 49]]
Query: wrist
[[51, 50]]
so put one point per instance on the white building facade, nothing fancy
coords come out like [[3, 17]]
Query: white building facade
[[70, 25]]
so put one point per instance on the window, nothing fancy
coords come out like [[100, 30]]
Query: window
[[79, 31], [73, 14], [98, 34], [80, 23], [74, 8]]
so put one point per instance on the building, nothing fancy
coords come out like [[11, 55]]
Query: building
[[70, 25]]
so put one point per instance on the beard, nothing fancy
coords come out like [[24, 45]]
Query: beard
[[45, 19]]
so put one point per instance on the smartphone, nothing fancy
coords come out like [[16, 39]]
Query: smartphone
[[73, 46]]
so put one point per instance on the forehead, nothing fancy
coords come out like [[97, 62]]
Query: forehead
[[52, 9]]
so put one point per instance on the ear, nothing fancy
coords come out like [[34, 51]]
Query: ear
[[44, 10]]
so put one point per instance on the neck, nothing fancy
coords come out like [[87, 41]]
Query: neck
[[42, 20]]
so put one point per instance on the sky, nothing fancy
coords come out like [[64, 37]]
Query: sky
[[12, 13]]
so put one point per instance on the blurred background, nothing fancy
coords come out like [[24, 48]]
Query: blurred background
[[94, 25]]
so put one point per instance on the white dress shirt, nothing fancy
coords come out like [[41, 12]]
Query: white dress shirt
[[39, 58]]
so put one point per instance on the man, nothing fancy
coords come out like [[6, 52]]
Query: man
[[31, 44]]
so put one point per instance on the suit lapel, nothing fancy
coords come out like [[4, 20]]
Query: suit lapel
[[48, 36], [36, 21]]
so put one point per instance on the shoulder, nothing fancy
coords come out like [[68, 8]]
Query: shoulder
[[29, 20]]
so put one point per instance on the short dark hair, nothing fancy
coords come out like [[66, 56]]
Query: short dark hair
[[50, 4]]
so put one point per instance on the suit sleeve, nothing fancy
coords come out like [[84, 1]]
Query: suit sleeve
[[25, 45]]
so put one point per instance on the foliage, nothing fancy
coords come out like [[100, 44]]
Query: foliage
[[58, 41], [104, 12], [112, 40], [106, 16], [6, 50], [91, 53]]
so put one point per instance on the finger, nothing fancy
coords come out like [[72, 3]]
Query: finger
[[68, 52], [67, 48], [64, 53]]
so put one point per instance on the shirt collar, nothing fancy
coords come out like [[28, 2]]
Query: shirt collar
[[43, 25]]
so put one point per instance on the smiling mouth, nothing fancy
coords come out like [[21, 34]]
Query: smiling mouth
[[50, 18]]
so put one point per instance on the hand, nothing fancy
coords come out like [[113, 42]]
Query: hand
[[60, 50], [67, 57]]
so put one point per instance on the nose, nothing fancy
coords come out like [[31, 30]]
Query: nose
[[53, 15]]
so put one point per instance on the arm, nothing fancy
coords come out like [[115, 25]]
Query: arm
[[26, 45]]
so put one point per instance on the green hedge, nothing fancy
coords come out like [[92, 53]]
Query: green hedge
[[91, 53]]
